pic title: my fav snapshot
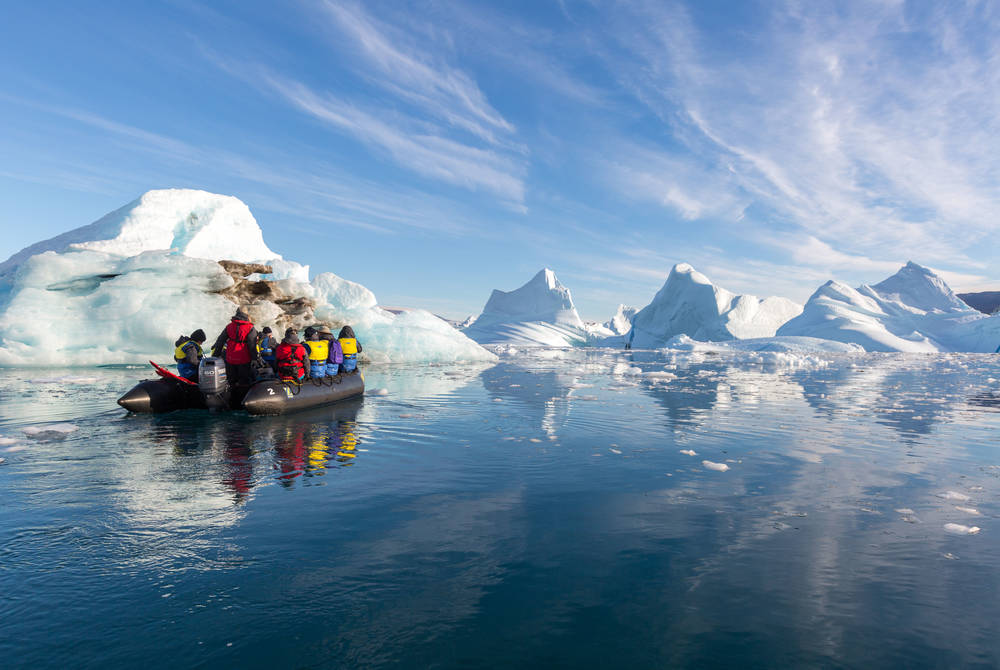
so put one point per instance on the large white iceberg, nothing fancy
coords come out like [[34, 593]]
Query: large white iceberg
[[121, 290], [689, 304], [913, 311], [540, 313]]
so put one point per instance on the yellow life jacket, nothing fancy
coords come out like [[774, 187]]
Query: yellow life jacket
[[348, 345], [319, 350], [180, 354]]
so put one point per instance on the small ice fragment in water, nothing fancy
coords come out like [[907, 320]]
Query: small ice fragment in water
[[904, 510], [614, 451], [950, 556], [959, 529], [954, 495], [379, 392], [689, 452], [718, 467], [969, 510], [5, 441], [498, 400], [533, 439], [55, 430], [2, 460], [17, 447]]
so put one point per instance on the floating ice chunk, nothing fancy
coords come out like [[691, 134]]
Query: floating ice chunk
[[2, 461], [904, 510], [379, 392], [66, 380], [624, 369], [954, 495], [969, 510], [658, 374], [689, 452], [5, 441], [16, 447], [959, 529], [615, 451], [498, 400], [718, 467], [50, 431]]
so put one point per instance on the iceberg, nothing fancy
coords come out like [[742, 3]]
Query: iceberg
[[540, 313], [912, 311], [621, 322], [121, 289], [689, 304]]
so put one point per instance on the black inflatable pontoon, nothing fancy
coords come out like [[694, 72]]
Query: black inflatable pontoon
[[269, 396]]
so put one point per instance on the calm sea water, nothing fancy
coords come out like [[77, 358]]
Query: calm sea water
[[541, 512]]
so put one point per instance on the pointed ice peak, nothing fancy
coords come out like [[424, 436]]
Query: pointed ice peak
[[546, 277], [541, 299], [920, 288]]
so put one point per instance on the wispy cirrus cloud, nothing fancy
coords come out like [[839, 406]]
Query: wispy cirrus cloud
[[871, 128], [416, 75], [428, 154]]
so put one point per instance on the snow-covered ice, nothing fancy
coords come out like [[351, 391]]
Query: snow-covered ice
[[718, 467], [689, 304], [913, 311], [540, 313], [121, 290]]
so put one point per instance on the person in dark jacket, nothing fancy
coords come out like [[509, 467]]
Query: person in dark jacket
[[188, 353], [266, 345], [350, 347], [239, 341], [292, 359]]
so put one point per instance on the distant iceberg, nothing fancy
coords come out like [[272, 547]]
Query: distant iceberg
[[689, 304], [121, 290], [912, 311], [540, 313]]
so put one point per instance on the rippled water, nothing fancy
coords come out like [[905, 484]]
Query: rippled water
[[560, 509]]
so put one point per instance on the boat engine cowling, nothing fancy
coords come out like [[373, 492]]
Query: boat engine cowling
[[213, 383]]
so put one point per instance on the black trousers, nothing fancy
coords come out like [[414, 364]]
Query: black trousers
[[239, 374]]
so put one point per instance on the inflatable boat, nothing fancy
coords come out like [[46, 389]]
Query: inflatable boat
[[268, 396]]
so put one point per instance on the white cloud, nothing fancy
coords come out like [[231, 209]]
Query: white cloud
[[875, 145], [416, 75]]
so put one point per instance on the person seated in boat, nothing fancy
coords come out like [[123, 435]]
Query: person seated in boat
[[291, 358], [336, 356], [266, 345], [319, 351], [188, 353], [239, 341], [350, 346]]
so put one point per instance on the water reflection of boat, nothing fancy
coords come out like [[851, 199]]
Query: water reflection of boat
[[237, 452]]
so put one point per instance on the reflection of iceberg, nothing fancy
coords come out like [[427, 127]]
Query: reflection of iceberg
[[542, 397]]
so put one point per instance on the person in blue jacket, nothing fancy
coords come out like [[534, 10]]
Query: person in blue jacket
[[266, 345]]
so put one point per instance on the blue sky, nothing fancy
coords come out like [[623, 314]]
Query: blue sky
[[434, 150]]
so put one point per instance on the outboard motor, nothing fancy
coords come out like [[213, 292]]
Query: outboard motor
[[212, 382]]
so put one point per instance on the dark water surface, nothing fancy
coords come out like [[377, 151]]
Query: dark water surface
[[536, 513]]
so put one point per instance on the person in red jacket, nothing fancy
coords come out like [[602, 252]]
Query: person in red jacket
[[291, 358], [239, 340]]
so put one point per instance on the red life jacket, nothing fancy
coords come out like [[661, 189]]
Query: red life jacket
[[289, 358], [237, 351]]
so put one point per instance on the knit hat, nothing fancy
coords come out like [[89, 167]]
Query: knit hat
[[241, 315], [266, 330], [198, 336], [310, 331]]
